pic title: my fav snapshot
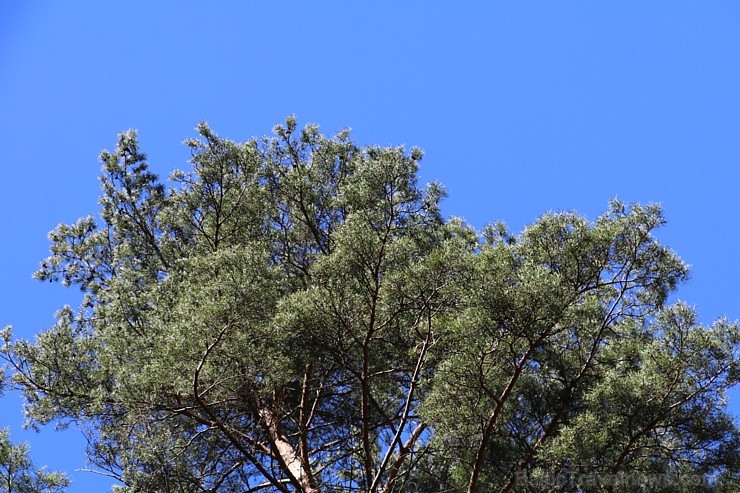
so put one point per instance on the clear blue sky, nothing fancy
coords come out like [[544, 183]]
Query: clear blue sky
[[522, 107]]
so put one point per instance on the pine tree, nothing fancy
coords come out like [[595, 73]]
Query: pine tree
[[293, 313]]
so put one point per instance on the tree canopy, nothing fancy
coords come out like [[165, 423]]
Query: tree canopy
[[293, 313]]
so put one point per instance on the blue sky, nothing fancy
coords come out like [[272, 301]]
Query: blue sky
[[521, 108]]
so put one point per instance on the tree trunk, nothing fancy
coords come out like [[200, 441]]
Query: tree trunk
[[299, 473]]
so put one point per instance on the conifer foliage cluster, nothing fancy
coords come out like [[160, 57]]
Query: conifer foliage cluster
[[294, 314]]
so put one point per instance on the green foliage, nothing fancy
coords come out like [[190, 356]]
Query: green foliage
[[18, 475], [294, 314]]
